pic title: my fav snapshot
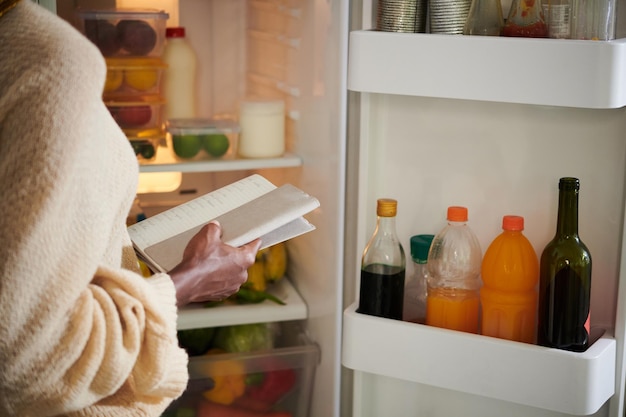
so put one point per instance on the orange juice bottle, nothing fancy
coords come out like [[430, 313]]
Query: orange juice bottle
[[510, 272], [454, 260]]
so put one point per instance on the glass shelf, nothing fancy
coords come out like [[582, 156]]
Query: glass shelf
[[286, 161], [198, 316]]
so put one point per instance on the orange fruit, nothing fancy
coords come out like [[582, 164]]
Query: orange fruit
[[113, 81]]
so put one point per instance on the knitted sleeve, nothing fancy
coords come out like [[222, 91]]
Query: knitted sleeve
[[79, 335]]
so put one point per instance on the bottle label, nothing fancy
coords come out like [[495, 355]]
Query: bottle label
[[557, 17]]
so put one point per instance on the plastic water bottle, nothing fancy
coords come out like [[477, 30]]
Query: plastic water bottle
[[510, 273], [454, 262]]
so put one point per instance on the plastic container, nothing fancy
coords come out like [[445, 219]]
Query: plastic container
[[454, 262], [262, 123], [198, 139], [415, 288], [180, 85], [125, 32], [133, 76], [145, 149], [139, 117], [289, 367], [510, 273]]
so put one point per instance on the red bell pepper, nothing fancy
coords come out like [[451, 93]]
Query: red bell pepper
[[274, 386]]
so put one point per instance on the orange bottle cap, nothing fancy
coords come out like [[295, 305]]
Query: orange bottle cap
[[386, 207], [511, 222], [457, 214]]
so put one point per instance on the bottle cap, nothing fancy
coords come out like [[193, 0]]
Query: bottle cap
[[420, 245], [177, 32], [457, 214], [569, 184], [512, 223], [386, 207]]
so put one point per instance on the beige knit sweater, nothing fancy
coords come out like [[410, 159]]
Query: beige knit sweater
[[81, 333]]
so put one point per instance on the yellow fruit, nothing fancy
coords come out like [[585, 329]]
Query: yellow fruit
[[145, 271], [275, 262], [256, 277], [113, 81], [141, 80]]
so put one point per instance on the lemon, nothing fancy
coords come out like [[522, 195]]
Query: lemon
[[216, 145], [142, 80], [113, 81], [186, 146]]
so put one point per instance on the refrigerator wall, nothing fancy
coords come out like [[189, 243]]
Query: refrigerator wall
[[294, 50], [490, 124]]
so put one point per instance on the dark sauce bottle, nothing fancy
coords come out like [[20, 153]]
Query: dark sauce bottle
[[383, 267]]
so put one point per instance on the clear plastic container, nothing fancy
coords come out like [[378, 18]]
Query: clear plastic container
[[139, 117], [124, 32], [198, 139], [510, 273], [416, 283], [454, 262], [133, 76], [525, 19]]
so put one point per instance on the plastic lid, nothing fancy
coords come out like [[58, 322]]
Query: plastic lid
[[258, 105], [176, 32], [513, 223], [200, 126], [420, 245], [123, 13], [135, 63], [457, 214], [386, 207]]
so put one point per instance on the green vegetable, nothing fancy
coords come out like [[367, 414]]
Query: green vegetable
[[244, 337], [196, 341]]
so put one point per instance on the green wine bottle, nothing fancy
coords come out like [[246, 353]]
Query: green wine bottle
[[565, 279]]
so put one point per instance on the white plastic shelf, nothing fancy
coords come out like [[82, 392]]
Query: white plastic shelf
[[551, 379], [198, 316], [285, 161], [557, 72]]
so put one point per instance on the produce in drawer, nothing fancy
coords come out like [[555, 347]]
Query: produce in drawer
[[209, 409], [196, 341], [229, 380], [244, 337]]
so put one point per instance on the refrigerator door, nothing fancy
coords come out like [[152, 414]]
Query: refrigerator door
[[491, 124]]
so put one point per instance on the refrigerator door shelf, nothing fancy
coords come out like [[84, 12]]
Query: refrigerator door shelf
[[551, 72], [551, 379], [197, 316]]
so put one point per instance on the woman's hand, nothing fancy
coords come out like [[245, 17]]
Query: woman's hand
[[211, 270]]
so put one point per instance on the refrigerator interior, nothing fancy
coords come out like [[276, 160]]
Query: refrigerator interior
[[486, 126], [294, 50]]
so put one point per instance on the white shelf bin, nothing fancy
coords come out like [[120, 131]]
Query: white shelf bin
[[551, 379], [552, 72], [198, 316]]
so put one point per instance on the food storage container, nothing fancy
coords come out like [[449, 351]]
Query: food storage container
[[145, 149], [139, 117], [202, 139], [131, 76], [277, 380], [124, 32]]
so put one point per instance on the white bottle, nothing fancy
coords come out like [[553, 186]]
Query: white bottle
[[179, 84]]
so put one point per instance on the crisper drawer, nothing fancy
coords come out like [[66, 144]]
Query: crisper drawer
[[520, 373], [271, 383]]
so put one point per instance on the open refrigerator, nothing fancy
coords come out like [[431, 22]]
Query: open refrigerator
[[432, 121]]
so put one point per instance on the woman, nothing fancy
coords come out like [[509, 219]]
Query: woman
[[81, 332]]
